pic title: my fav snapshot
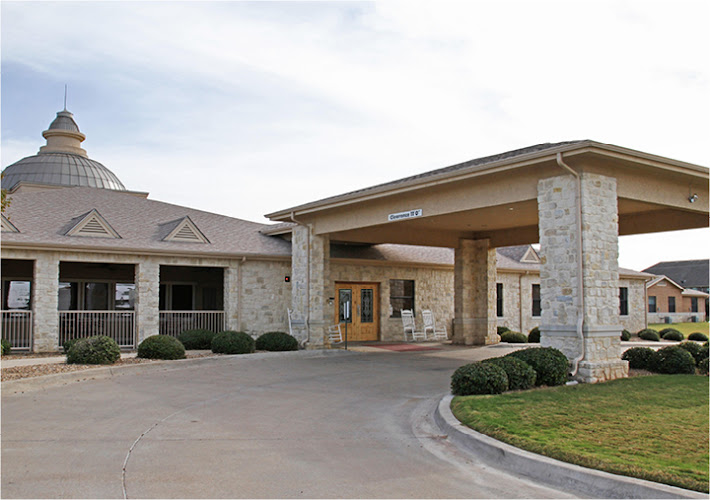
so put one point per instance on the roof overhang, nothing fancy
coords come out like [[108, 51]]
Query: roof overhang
[[498, 199]]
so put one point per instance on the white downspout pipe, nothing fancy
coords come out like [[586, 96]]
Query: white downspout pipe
[[308, 277], [580, 267]]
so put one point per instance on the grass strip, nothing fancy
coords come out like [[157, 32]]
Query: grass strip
[[684, 328], [652, 427]]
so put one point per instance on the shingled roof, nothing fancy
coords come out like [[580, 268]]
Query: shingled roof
[[43, 218], [687, 273]]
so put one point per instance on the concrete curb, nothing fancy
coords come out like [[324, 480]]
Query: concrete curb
[[586, 482], [47, 381]]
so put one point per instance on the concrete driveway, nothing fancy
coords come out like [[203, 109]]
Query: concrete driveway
[[345, 425]]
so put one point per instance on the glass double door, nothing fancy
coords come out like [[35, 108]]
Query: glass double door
[[364, 318]]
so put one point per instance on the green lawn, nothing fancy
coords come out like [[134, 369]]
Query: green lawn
[[684, 328], [651, 427]]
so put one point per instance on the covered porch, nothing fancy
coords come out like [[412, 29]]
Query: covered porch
[[574, 199]]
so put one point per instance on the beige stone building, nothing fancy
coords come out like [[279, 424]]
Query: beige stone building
[[82, 255]]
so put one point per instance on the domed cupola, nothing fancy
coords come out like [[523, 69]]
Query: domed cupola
[[62, 161]]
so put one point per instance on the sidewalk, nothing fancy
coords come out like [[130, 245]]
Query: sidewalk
[[61, 359]]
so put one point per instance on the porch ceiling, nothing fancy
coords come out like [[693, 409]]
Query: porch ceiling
[[499, 200]]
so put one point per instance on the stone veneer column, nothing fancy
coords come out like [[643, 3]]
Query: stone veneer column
[[232, 298], [45, 303], [148, 286], [475, 293], [310, 273], [557, 207]]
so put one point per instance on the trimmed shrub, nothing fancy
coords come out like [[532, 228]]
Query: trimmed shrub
[[551, 365], [100, 350], [649, 334], [672, 359], [479, 378], [534, 335], [700, 337], [502, 329], [639, 357], [161, 347], [514, 338], [196, 339], [695, 350], [703, 351], [703, 366], [671, 334], [5, 347], [521, 375], [229, 342], [276, 341], [67, 345], [625, 335]]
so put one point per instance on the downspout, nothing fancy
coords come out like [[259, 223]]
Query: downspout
[[580, 267], [308, 277]]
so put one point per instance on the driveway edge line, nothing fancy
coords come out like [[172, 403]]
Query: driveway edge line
[[569, 477], [47, 381]]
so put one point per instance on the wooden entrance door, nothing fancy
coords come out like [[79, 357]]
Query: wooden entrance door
[[364, 298]]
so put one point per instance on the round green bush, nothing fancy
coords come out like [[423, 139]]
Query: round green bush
[[551, 365], [625, 335], [639, 357], [700, 337], [276, 341], [229, 342], [100, 350], [649, 334], [514, 338], [671, 334], [196, 339], [695, 350], [521, 375], [161, 347], [534, 335], [67, 345], [502, 329], [479, 378], [672, 359], [704, 351], [703, 366], [5, 347]]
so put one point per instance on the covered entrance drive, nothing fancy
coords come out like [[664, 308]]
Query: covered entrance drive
[[363, 323], [574, 198]]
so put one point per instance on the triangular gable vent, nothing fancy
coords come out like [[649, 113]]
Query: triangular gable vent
[[530, 256], [186, 232], [93, 225], [8, 227]]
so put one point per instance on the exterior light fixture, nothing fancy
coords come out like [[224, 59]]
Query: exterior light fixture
[[692, 198]]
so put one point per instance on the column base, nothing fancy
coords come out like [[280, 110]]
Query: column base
[[601, 371]]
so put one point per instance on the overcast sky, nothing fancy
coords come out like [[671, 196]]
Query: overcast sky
[[245, 108]]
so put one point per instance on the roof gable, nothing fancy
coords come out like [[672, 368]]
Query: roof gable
[[186, 231], [8, 226], [659, 282], [93, 225]]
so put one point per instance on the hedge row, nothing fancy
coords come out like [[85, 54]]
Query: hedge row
[[682, 358]]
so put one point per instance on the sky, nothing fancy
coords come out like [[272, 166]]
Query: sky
[[246, 108]]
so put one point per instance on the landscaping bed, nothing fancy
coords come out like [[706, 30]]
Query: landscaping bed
[[650, 427]]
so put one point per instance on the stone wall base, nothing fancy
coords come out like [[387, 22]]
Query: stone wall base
[[592, 372]]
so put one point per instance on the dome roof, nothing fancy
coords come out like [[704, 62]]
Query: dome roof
[[61, 169], [62, 161]]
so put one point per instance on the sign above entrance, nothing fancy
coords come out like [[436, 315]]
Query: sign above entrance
[[405, 215]]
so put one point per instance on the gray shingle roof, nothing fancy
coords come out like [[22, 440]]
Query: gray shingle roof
[[687, 273], [42, 218]]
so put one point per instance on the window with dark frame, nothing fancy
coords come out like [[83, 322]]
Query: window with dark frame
[[694, 304], [536, 303], [652, 303], [401, 296], [623, 301], [499, 300], [671, 304]]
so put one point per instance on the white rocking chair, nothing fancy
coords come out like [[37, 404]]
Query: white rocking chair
[[335, 336], [430, 327], [410, 327]]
